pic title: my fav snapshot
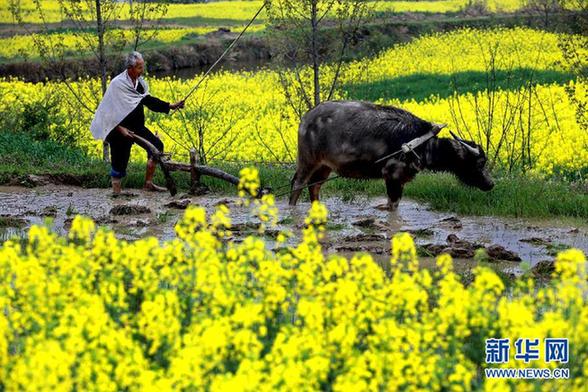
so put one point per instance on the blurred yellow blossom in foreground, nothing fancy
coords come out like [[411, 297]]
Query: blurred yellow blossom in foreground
[[91, 312]]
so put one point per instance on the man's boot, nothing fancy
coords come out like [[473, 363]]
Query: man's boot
[[150, 172], [116, 185]]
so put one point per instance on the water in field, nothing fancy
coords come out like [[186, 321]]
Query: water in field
[[196, 71], [359, 226]]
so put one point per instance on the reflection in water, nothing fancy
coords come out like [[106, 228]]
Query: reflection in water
[[11, 233], [232, 66]]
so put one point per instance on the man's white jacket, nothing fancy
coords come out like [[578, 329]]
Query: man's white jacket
[[120, 99]]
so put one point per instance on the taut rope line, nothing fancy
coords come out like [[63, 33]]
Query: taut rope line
[[227, 50]]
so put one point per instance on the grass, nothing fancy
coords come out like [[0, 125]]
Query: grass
[[164, 217], [21, 155], [516, 196], [421, 86]]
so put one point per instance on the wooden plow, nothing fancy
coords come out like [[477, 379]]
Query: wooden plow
[[194, 168]]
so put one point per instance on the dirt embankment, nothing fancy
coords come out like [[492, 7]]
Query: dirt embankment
[[195, 55], [254, 51]]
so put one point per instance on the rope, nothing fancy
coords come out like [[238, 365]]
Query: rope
[[305, 186], [251, 162], [338, 176], [388, 156], [227, 50]]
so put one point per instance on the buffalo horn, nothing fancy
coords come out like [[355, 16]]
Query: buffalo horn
[[438, 127], [472, 149]]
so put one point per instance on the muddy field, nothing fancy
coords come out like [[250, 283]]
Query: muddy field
[[353, 227]]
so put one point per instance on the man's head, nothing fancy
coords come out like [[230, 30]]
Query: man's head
[[135, 64]]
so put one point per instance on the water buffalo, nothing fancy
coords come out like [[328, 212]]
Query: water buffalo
[[348, 137]]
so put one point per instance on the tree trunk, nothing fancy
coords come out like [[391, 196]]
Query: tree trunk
[[314, 53], [201, 152], [194, 175], [136, 28], [102, 63]]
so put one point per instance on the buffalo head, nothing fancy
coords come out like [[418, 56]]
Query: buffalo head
[[471, 169]]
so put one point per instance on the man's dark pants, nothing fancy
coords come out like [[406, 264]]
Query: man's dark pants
[[120, 149]]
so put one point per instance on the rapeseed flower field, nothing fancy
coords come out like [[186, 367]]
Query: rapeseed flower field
[[87, 311], [210, 310], [186, 21], [239, 12], [19, 47], [245, 116]]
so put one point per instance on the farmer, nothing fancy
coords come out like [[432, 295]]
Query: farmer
[[120, 117]]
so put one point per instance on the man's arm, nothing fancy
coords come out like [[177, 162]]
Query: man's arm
[[157, 105], [125, 131]]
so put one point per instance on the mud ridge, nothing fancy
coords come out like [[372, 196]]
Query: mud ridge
[[128, 209], [464, 249], [196, 55], [35, 180]]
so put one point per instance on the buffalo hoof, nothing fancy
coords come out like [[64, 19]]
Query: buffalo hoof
[[390, 206]]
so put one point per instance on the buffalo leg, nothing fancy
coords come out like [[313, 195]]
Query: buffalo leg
[[298, 183], [396, 174], [394, 191], [321, 174]]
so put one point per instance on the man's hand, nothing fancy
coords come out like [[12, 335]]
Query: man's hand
[[177, 105], [126, 132]]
